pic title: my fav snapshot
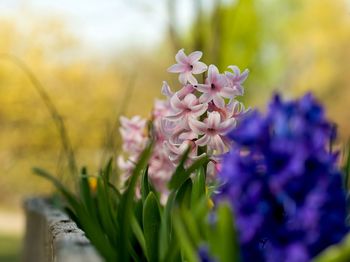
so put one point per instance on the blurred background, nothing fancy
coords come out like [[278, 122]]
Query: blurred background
[[84, 62]]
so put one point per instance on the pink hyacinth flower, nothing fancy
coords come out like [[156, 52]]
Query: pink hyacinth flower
[[176, 152], [188, 65], [133, 134], [185, 90], [186, 109], [236, 79], [215, 88], [213, 131], [166, 90], [234, 109]]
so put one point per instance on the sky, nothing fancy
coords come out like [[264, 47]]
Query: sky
[[106, 24]]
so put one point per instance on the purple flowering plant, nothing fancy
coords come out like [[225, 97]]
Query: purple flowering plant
[[204, 179], [284, 184]]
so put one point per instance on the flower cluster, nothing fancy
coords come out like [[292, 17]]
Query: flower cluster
[[135, 136], [201, 114], [283, 183], [197, 116]]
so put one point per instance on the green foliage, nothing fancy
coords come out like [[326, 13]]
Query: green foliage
[[336, 253], [346, 167], [151, 221], [123, 228]]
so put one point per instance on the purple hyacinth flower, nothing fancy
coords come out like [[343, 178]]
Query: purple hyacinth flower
[[283, 183]]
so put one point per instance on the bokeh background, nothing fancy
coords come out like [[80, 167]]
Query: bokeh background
[[84, 62]]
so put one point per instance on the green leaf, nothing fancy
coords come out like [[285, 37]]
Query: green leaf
[[191, 225], [335, 253], [224, 243], [187, 247], [151, 222], [166, 233], [105, 213], [71, 199], [92, 230], [145, 187], [85, 194], [127, 203], [183, 195], [137, 230], [180, 175], [198, 186], [107, 171]]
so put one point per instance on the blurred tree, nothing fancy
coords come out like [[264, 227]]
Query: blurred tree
[[290, 46], [87, 93]]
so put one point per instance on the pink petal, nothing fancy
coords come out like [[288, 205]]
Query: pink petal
[[187, 89], [203, 88], [203, 141], [174, 139], [188, 135], [239, 91], [181, 57], [213, 72], [123, 120], [199, 110], [230, 78], [235, 69], [227, 142], [191, 78], [244, 75], [175, 117], [218, 144], [230, 107], [226, 126], [197, 126], [176, 103], [205, 98], [190, 100], [194, 56], [177, 68], [166, 90], [227, 92], [214, 120], [199, 67], [183, 78], [211, 171], [218, 101]]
